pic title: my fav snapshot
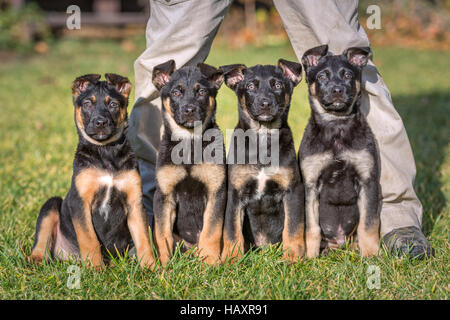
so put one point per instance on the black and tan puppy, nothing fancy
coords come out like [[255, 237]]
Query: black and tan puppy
[[102, 211], [190, 197], [265, 202], [338, 155]]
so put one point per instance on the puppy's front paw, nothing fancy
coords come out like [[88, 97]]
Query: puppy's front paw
[[35, 258], [97, 266], [208, 255], [148, 262], [313, 239], [232, 251], [293, 253], [164, 259], [369, 250]]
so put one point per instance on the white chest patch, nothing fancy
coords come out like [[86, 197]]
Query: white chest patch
[[262, 179], [108, 182]]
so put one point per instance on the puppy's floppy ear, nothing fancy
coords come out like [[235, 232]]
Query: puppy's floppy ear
[[162, 72], [122, 84], [291, 70], [212, 74], [233, 73], [312, 56], [80, 84], [358, 56]]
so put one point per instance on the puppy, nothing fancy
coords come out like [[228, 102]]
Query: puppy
[[102, 211], [265, 202], [190, 197], [338, 156]]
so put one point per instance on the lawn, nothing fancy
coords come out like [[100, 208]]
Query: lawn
[[37, 144]]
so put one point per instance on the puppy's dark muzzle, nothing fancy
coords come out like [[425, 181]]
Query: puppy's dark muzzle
[[267, 110], [337, 100], [100, 128], [189, 116]]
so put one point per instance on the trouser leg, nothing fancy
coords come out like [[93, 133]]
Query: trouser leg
[[334, 22], [182, 30]]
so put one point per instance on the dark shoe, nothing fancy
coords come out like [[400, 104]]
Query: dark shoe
[[408, 241]]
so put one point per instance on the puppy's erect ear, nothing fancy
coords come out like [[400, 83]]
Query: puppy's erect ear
[[212, 74], [233, 73], [312, 56], [80, 84], [122, 84], [162, 72], [358, 56], [291, 70]]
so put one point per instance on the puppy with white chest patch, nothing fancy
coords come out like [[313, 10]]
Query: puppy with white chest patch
[[338, 156], [265, 201], [189, 200], [102, 213]]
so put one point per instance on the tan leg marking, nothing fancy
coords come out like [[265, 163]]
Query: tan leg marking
[[213, 177], [46, 237], [167, 177], [313, 235], [233, 250], [163, 235], [130, 183], [87, 183], [368, 238], [311, 168], [293, 244]]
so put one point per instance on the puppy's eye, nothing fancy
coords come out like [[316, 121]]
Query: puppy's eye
[[113, 105], [87, 104], [251, 86], [176, 93], [322, 77], [278, 85], [348, 75], [202, 92]]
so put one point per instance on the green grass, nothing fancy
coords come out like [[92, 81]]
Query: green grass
[[37, 144]]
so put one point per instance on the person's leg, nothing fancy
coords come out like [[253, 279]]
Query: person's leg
[[313, 23], [182, 30]]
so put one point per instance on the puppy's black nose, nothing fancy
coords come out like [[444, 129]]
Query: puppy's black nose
[[100, 122], [189, 110], [265, 104], [338, 90]]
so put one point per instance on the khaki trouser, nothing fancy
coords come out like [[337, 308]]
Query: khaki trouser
[[183, 30]]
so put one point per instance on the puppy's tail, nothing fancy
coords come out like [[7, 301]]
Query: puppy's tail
[[46, 228]]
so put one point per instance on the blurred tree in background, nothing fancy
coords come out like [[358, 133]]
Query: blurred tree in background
[[410, 23], [29, 24], [23, 28]]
